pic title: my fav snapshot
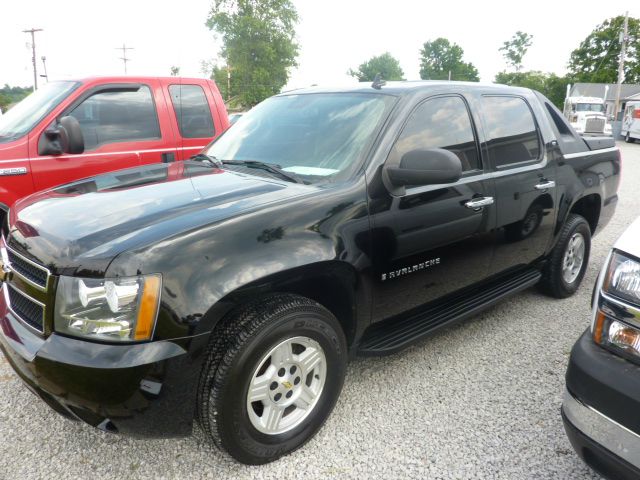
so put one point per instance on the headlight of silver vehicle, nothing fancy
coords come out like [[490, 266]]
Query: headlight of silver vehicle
[[111, 309], [622, 281]]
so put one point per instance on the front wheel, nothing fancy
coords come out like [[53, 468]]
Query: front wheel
[[568, 261], [274, 372]]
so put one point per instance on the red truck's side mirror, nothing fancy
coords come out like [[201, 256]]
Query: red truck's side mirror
[[63, 137]]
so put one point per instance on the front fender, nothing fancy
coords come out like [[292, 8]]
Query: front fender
[[203, 268]]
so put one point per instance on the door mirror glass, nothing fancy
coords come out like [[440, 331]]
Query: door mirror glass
[[426, 167], [63, 137]]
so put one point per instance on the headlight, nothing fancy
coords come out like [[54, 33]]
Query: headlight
[[621, 280], [117, 309]]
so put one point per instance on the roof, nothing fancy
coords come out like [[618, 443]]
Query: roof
[[401, 87], [597, 90], [128, 79]]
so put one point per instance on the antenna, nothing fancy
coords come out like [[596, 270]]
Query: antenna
[[124, 58], [378, 82]]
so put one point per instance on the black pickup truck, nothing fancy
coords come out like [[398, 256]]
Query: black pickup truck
[[233, 288]]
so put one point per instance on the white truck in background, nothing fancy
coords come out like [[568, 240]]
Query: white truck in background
[[587, 115], [631, 122]]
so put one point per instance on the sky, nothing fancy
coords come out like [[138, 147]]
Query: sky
[[81, 37]]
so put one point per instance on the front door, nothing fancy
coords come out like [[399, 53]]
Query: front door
[[121, 129], [437, 239]]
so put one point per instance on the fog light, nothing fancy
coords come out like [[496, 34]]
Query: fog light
[[624, 337]]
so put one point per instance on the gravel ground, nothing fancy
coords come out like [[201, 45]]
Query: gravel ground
[[479, 400]]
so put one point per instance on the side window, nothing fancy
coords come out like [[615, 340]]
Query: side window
[[117, 116], [512, 136], [441, 122], [192, 111]]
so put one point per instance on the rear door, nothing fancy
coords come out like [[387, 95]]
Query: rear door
[[122, 128], [525, 176], [191, 108], [436, 239]]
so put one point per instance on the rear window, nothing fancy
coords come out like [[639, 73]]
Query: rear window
[[512, 136], [192, 111]]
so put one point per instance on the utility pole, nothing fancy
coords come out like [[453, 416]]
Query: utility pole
[[624, 38], [33, 31], [44, 65], [124, 57]]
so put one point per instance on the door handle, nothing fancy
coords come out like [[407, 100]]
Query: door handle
[[479, 202], [545, 184]]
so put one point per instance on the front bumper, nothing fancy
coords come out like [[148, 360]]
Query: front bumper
[[600, 410], [145, 390]]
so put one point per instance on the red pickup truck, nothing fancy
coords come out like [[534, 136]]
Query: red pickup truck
[[73, 129]]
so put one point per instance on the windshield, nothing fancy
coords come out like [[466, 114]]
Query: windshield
[[21, 118], [319, 135], [589, 107]]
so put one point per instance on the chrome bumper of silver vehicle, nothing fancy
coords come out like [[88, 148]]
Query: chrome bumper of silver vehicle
[[611, 435]]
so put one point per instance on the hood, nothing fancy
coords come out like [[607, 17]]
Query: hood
[[80, 227], [629, 241]]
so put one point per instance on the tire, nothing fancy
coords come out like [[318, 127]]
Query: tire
[[247, 348], [628, 139], [561, 278]]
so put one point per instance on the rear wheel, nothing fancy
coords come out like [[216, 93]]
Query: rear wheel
[[569, 259], [628, 139], [274, 371]]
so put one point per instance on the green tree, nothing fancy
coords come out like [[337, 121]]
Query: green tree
[[514, 50], [596, 59], [439, 57], [549, 84], [386, 65], [11, 95], [258, 43]]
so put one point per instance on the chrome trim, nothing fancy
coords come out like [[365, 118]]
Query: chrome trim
[[33, 264], [22, 320], [611, 435], [545, 185], [589, 153], [633, 313], [478, 203]]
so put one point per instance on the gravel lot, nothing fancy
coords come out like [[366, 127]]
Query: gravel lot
[[480, 400]]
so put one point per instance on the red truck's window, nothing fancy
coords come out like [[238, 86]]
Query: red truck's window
[[192, 111], [512, 136], [117, 116]]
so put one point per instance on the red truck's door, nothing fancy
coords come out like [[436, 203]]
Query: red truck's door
[[123, 124], [196, 115]]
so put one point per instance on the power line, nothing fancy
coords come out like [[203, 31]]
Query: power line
[[124, 57], [33, 31]]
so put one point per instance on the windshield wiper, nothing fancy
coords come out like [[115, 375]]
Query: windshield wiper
[[202, 157], [269, 167]]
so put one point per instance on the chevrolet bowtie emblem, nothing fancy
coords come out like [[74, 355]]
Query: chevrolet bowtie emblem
[[287, 385], [5, 273]]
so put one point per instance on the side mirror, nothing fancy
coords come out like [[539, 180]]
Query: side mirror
[[426, 167], [63, 137]]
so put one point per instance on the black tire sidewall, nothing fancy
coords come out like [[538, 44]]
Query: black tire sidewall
[[581, 226], [241, 438]]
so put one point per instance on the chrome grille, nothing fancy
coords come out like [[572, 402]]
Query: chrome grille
[[27, 309], [594, 125], [27, 269]]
